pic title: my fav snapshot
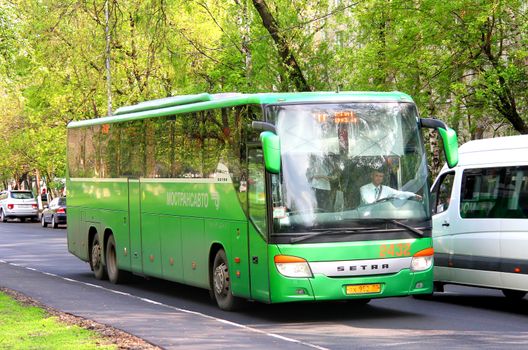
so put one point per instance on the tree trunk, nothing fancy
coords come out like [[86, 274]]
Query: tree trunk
[[107, 59], [507, 107], [293, 70]]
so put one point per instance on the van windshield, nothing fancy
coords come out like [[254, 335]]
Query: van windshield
[[22, 195]]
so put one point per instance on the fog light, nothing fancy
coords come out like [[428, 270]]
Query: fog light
[[419, 285], [300, 291]]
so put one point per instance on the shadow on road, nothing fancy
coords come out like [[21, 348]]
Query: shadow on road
[[485, 302]]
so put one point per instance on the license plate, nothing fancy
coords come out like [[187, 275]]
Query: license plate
[[363, 288], [24, 205]]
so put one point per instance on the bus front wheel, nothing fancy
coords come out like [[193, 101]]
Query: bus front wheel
[[222, 283], [96, 259]]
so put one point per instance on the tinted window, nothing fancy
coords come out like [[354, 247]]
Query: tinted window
[[132, 145], [21, 195], [495, 193], [62, 201], [191, 145], [257, 190]]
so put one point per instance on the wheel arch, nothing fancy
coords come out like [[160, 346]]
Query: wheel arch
[[107, 233], [215, 248]]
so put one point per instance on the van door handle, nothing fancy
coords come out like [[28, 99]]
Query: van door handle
[[445, 224]]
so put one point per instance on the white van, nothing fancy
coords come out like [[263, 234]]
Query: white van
[[480, 217]]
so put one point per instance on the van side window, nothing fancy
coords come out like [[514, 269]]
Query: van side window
[[442, 193], [494, 193]]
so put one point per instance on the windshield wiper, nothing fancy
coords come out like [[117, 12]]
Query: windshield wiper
[[322, 233], [417, 232]]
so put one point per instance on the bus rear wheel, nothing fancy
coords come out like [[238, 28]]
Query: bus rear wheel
[[222, 284], [96, 259], [114, 274]]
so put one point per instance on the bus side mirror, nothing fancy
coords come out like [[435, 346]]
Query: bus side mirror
[[449, 139], [271, 149]]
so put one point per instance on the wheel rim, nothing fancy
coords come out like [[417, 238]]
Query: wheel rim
[[42, 221], [221, 279], [53, 221], [96, 256]]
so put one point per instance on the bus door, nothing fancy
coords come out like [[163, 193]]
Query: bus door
[[257, 224], [134, 224]]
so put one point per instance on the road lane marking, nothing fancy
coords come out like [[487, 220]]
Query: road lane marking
[[189, 312]]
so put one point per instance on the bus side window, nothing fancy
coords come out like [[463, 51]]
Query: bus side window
[[257, 190], [442, 193]]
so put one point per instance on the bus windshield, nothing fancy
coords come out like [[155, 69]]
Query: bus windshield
[[351, 165]]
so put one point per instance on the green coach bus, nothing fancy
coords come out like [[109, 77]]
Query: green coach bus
[[258, 196]]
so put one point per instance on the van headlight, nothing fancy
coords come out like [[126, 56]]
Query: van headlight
[[422, 260], [292, 266]]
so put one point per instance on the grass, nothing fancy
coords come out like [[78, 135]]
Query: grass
[[25, 327]]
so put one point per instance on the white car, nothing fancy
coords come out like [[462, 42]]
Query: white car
[[18, 205]]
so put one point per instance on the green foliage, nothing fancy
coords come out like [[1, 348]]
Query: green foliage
[[463, 61]]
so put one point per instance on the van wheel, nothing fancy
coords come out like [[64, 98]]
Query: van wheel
[[222, 284], [513, 294], [96, 259], [43, 222], [114, 274]]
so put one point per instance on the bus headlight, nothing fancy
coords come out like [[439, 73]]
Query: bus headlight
[[422, 260], [292, 266]]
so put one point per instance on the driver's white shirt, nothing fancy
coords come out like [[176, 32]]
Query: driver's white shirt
[[368, 193]]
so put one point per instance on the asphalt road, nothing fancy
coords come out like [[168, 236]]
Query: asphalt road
[[35, 261]]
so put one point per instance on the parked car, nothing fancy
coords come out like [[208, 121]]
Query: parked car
[[55, 213], [18, 204], [480, 217]]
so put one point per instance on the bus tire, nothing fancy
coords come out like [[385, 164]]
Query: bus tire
[[96, 258], [513, 294], [222, 283], [115, 275]]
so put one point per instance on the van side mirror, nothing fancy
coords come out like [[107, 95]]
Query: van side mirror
[[449, 138], [271, 150]]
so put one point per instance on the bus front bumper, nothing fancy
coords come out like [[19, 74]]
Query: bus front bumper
[[323, 288]]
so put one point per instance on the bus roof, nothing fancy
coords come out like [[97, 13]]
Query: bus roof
[[192, 103]]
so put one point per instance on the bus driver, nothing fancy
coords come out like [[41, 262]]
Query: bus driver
[[375, 191]]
